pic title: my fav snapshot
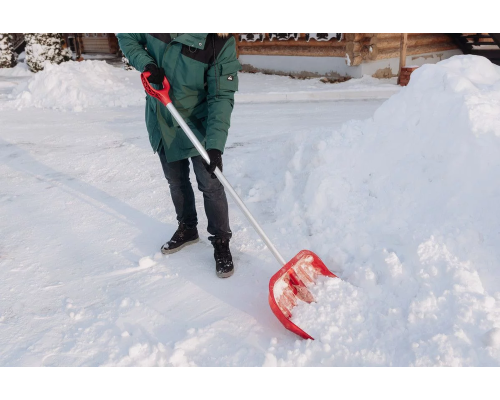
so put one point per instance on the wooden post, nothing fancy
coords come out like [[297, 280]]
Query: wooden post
[[78, 47], [402, 54]]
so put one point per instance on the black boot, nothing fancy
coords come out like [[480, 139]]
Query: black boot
[[181, 238], [223, 260]]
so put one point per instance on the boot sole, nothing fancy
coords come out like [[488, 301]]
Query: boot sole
[[225, 274], [166, 252]]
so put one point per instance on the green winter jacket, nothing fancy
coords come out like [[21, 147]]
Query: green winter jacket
[[202, 70]]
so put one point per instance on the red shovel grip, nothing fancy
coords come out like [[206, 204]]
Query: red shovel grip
[[161, 94]]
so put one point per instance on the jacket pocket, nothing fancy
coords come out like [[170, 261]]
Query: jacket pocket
[[228, 79]]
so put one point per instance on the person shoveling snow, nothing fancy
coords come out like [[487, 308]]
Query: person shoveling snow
[[289, 285], [203, 72]]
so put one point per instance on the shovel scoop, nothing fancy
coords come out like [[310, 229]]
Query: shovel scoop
[[289, 285]]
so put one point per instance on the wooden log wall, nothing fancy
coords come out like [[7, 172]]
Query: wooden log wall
[[361, 47], [102, 43], [356, 47], [291, 47]]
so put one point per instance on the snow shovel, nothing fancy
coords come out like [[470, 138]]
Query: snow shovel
[[289, 284]]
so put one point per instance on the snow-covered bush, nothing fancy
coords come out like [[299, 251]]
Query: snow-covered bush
[[7, 54], [45, 47], [126, 64], [67, 54]]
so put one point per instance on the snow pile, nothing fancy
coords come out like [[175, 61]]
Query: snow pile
[[75, 86], [19, 70], [405, 208]]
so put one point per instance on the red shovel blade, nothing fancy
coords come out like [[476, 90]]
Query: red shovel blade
[[290, 284]]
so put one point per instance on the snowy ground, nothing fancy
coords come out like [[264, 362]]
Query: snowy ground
[[262, 83], [85, 209]]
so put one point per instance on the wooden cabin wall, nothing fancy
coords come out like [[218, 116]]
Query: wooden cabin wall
[[362, 47], [99, 44], [358, 47], [291, 47]]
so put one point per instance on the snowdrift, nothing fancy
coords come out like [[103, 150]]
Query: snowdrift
[[405, 208], [75, 86], [19, 70]]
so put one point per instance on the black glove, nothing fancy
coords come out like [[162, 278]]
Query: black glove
[[215, 161], [157, 74]]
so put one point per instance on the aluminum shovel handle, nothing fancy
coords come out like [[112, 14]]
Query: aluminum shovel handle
[[163, 97]]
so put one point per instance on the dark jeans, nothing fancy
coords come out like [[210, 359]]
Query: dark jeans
[[177, 174]]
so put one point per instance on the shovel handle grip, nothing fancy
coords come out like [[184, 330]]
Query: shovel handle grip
[[160, 94]]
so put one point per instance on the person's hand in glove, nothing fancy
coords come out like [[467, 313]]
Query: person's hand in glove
[[215, 161], [157, 74]]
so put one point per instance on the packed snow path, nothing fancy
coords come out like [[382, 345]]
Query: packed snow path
[[85, 209]]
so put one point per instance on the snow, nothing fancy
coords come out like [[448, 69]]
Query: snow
[[99, 56], [283, 36], [10, 78], [398, 198], [492, 338], [322, 38], [79, 86], [20, 69], [260, 88], [76, 86], [251, 37], [410, 202], [269, 84], [45, 48]]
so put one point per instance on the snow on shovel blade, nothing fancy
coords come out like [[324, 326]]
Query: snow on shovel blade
[[290, 284]]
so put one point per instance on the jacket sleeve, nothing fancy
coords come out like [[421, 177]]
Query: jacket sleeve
[[222, 81], [133, 46]]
